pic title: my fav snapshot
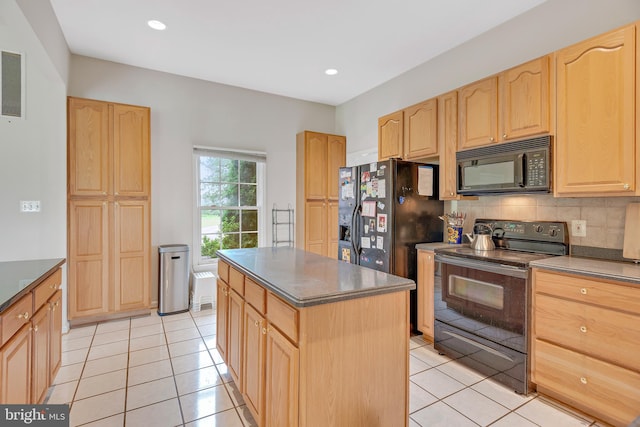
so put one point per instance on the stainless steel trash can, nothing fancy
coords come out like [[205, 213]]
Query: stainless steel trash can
[[173, 280]]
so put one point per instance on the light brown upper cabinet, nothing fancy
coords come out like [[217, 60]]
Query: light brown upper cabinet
[[596, 136], [109, 185], [514, 104], [525, 100], [421, 130], [319, 157], [478, 113], [447, 142], [108, 149], [390, 136]]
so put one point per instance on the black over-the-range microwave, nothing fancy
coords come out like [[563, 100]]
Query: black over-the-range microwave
[[512, 167]]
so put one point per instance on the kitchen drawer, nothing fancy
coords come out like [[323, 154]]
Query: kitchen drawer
[[45, 289], [592, 291], [599, 388], [17, 315], [283, 316], [255, 295], [223, 271], [236, 281], [597, 331]]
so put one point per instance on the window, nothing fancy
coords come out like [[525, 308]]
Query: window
[[230, 199]]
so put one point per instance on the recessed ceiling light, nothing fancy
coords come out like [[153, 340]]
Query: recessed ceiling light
[[156, 25], [331, 71]]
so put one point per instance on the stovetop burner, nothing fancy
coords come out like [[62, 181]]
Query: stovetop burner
[[517, 242]]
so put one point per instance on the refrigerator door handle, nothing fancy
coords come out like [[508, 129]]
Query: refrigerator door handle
[[355, 229]]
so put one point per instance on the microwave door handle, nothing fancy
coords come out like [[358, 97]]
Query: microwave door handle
[[520, 163]]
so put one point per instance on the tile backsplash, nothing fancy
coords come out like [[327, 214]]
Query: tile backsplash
[[605, 216]]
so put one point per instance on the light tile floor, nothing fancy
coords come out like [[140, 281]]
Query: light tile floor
[[165, 371]]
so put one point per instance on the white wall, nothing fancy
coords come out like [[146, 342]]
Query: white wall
[[33, 151], [544, 29], [187, 112]]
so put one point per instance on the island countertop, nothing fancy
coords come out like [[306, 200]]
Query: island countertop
[[306, 279], [17, 278]]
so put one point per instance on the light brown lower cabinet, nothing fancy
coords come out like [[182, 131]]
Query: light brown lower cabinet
[[41, 338], [222, 317], [15, 359], [55, 347], [282, 377], [234, 353], [585, 344], [425, 284], [255, 336], [304, 366]]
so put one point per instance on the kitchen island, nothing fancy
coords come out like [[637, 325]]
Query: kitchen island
[[312, 341], [30, 328]]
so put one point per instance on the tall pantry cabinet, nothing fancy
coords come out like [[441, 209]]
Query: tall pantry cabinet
[[109, 188], [319, 158]]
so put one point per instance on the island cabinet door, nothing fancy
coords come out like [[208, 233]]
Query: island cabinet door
[[55, 354], [222, 319], [282, 376], [41, 323], [15, 368], [234, 351], [255, 329]]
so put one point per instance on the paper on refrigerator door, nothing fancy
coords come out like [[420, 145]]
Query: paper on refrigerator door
[[425, 181]]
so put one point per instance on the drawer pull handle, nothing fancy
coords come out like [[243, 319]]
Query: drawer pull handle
[[583, 329], [583, 380], [24, 315], [53, 286], [583, 291]]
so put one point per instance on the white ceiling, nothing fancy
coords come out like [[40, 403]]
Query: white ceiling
[[282, 46]]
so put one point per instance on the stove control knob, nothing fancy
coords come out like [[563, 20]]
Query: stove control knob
[[538, 228], [553, 232]]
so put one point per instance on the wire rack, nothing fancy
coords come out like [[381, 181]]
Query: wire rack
[[282, 222]]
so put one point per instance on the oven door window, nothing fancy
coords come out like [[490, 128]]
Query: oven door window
[[482, 301], [476, 291]]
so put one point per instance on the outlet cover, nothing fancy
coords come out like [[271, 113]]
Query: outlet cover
[[579, 228]]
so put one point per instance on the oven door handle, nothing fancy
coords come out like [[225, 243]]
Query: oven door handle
[[505, 270]]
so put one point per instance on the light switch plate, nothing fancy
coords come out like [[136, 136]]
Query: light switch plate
[[30, 206]]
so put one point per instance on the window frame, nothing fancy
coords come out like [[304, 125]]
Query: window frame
[[260, 158]]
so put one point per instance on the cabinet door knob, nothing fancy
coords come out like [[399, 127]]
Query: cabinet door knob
[[35, 328], [583, 291], [256, 323], [24, 315], [504, 135], [491, 139], [626, 186], [583, 380], [583, 329], [264, 331]]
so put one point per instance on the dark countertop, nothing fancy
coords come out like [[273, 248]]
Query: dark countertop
[[304, 279], [17, 278], [602, 269], [434, 245]]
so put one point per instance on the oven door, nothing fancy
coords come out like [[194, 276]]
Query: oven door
[[484, 299]]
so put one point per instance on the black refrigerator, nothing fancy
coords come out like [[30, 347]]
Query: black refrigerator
[[385, 209]]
